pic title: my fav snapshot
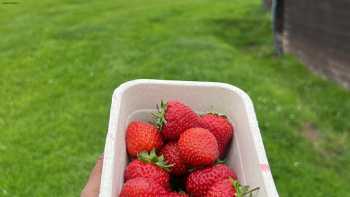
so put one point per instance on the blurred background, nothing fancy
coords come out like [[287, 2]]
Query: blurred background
[[61, 60]]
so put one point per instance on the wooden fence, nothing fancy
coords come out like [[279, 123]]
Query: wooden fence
[[317, 31]]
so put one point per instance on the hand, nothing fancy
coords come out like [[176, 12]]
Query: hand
[[92, 187]]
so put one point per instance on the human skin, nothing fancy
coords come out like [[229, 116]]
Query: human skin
[[92, 187]]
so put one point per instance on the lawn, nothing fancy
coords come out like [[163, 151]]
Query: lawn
[[61, 61]]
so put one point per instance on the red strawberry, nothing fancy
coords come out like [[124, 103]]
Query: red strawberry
[[149, 166], [141, 136], [171, 155], [228, 187], [175, 194], [198, 147], [174, 117], [220, 127], [199, 181], [141, 187], [222, 188]]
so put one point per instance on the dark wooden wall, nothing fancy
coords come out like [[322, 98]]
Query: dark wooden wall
[[318, 32]]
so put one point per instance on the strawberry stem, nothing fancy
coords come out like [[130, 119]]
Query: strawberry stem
[[221, 161], [242, 190], [251, 191], [217, 114]]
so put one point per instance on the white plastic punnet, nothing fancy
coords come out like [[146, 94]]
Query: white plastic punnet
[[135, 100]]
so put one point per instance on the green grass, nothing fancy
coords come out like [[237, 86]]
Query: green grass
[[60, 62]]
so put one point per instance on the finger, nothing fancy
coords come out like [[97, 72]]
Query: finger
[[97, 170], [92, 187]]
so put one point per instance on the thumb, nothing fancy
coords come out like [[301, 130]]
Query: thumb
[[92, 187]]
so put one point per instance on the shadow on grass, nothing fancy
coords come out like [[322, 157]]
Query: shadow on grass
[[247, 32]]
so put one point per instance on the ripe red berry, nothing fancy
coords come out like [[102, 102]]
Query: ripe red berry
[[142, 187], [229, 187], [171, 155], [174, 117], [175, 194], [199, 181], [220, 127], [221, 189], [149, 166], [198, 147], [141, 136]]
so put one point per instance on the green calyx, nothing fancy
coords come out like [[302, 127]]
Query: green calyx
[[159, 116], [220, 161], [242, 190], [152, 158]]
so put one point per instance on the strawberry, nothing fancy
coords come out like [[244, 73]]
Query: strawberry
[[199, 181], [176, 194], [149, 166], [228, 187], [171, 155], [173, 118], [222, 188], [220, 127], [141, 136], [198, 147], [142, 187]]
